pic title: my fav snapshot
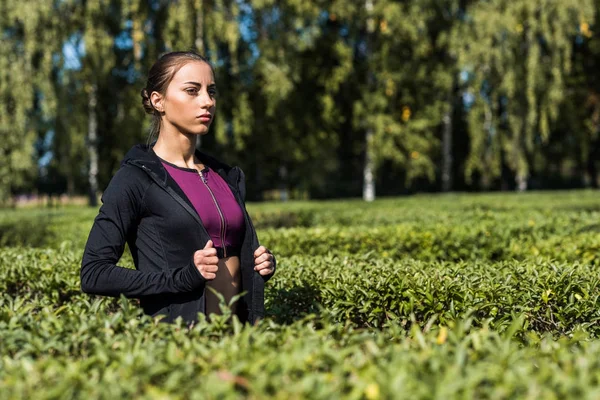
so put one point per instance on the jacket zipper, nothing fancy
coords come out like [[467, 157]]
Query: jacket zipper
[[222, 227], [184, 205]]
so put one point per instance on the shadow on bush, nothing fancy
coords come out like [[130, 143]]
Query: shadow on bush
[[283, 219], [25, 232], [590, 228], [285, 306], [581, 209]]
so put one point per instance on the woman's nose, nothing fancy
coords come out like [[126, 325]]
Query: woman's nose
[[207, 100]]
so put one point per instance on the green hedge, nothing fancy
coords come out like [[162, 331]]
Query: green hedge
[[50, 354], [370, 292], [458, 296], [375, 293]]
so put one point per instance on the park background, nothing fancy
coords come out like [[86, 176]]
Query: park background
[[317, 99], [491, 295]]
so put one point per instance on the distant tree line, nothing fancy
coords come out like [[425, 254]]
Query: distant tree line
[[322, 98]]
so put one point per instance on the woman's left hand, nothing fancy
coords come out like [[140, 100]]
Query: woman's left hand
[[263, 261]]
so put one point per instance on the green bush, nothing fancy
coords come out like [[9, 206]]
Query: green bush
[[375, 293], [457, 296]]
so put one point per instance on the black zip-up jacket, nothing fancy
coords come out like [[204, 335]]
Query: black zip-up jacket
[[144, 207]]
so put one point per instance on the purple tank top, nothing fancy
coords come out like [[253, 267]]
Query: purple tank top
[[214, 202]]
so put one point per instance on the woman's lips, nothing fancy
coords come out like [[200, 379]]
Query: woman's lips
[[205, 117]]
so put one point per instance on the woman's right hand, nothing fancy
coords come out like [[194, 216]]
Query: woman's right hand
[[206, 261]]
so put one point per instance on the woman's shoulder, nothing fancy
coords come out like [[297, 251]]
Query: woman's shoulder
[[131, 167], [129, 181], [131, 174]]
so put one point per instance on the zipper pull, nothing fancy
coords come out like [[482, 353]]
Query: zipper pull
[[202, 177]]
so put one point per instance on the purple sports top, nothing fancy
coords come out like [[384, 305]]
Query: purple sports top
[[221, 216]]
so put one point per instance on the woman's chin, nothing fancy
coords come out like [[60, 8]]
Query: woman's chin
[[200, 131]]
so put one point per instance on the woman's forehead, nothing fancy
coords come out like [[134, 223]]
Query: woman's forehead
[[194, 71]]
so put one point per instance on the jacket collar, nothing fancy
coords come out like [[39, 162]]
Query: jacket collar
[[143, 156]]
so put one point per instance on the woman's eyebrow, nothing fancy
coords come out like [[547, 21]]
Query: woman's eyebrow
[[199, 84]]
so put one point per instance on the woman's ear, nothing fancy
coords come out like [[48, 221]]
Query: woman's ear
[[157, 101]]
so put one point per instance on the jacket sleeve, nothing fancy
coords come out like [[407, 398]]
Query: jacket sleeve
[[242, 190], [116, 221]]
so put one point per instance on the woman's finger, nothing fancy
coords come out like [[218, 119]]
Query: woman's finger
[[260, 251], [263, 258], [264, 265], [266, 271]]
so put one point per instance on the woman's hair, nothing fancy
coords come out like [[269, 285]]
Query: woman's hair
[[159, 77]]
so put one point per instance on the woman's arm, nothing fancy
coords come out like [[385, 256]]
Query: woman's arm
[[117, 218]]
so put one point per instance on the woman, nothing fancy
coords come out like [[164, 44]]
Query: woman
[[181, 212]]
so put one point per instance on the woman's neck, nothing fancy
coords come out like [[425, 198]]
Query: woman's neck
[[176, 148]]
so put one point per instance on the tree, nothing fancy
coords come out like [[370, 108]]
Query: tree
[[517, 54], [412, 67], [27, 101]]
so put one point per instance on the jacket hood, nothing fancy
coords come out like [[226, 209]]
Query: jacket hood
[[143, 156], [140, 152]]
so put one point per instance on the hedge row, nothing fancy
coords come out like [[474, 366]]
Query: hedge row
[[370, 292], [561, 238], [453, 221], [83, 352], [450, 297]]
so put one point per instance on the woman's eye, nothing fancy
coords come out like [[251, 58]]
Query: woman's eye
[[212, 93], [191, 91]]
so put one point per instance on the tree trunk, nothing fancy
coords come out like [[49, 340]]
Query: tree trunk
[[521, 180], [591, 163], [283, 187], [522, 177], [447, 146], [70, 184], [593, 173], [368, 171], [92, 144], [447, 156], [199, 27], [368, 181]]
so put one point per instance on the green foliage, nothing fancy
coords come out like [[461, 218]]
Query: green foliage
[[520, 54], [373, 292], [302, 82], [400, 298], [27, 100]]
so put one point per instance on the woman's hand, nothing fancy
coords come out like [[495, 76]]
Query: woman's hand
[[206, 261], [263, 261]]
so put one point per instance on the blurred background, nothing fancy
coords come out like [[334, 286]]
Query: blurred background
[[317, 99]]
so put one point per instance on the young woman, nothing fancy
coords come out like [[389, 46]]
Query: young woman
[[181, 212]]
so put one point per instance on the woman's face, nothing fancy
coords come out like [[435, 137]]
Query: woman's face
[[189, 103]]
